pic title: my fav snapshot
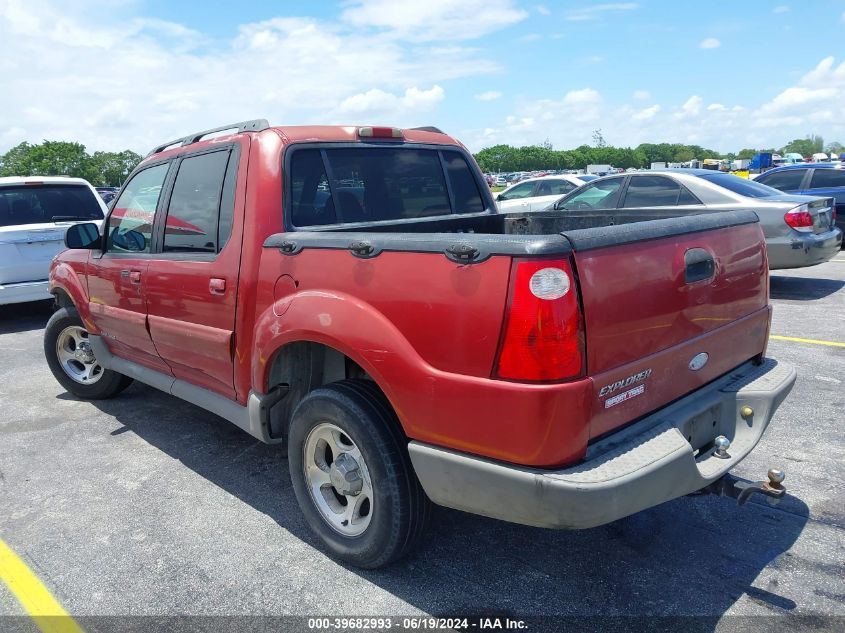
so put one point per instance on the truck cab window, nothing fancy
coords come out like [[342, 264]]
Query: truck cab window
[[131, 221], [194, 210]]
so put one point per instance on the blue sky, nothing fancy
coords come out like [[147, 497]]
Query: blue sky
[[132, 73]]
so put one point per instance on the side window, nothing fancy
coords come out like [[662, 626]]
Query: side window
[[194, 211], [651, 191], [130, 225], [522, 190], [554, 187], [464, 188], [788, 180], [601, 194], [826, 178], [311, 201], [686, 197]]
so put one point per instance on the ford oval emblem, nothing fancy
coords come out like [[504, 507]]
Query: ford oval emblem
[[698, 361]]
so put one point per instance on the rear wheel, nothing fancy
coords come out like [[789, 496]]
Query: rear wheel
[[352, 475], [72, 360]]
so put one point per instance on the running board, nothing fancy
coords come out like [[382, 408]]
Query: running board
[[253, 418]]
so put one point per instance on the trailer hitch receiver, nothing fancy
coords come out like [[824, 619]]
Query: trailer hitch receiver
[[741, 490]]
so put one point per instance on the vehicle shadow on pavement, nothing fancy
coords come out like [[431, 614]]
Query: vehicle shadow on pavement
[[693, 556], [803, 288], [25, 317]]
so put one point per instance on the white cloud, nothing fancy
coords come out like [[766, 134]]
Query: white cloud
[[530, 37], [817, 97], [597, 11], [814, 104], [490, 95], [646, 113], [113, 80], [434, 19], [641, 95], [780, 9], [691, 108], [543, 10], [710, 42], [377, 102]]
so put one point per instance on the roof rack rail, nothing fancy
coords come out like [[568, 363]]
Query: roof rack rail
[[255, 125], [428, 128]]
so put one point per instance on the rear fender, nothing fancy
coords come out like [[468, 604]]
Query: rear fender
[[344, 323]]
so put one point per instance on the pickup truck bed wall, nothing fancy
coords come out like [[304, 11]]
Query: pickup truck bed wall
[[458, 345]]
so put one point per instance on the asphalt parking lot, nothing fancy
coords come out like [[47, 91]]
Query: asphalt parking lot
[[147, 506]]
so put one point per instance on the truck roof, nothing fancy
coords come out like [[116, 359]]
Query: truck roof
[[305, 133]]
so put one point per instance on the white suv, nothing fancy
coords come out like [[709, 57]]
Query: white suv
[[35, 212]]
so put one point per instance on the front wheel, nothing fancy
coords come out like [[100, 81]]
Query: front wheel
[[353, 479], [72, 361]]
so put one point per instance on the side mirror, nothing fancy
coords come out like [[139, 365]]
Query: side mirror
[[500, 198], [557, 206], [83, 236], [132, 241]]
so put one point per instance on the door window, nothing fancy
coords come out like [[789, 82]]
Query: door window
[[652, 191], [788, 180], [554, 187], [827, 178], [601, 194], [522, 190], [131, 222], [194, 212]]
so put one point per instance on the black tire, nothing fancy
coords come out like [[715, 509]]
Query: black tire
[[109, 384], [400, 509]]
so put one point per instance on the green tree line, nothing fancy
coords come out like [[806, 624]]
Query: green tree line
[[501, 158], [508, 158], [60, 158]]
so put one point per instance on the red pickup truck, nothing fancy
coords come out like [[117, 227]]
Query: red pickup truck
[[352, 292]]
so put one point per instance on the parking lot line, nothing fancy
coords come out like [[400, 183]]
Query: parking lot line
[[34, 597], [812, 341]]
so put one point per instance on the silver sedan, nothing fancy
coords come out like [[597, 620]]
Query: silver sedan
[[799, 230]]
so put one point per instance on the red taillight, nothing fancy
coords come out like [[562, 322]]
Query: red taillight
[[380, 132], [799, 218], [542, 339]]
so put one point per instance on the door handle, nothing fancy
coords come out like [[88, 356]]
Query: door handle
[[135, 277], [216, 286]]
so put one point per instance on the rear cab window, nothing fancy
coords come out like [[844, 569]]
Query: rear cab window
[[344, 185], [46, 203]]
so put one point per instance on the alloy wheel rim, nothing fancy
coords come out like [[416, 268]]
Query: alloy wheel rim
[[75, 356], [338, 479]]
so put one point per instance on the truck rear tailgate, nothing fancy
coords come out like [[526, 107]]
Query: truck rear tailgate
[[668, 306]]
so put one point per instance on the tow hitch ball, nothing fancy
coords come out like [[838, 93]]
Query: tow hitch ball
[[741, 490]]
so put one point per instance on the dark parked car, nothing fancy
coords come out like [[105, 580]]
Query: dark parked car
[[107, 193], [815, 179], [799, 230]]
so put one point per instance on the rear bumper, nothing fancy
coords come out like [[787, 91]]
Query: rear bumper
[[22, 292], [664, 456], [803, 249]]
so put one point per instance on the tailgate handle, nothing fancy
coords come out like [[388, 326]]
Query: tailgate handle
[[462, 253], [698, 265], [362, 248]]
